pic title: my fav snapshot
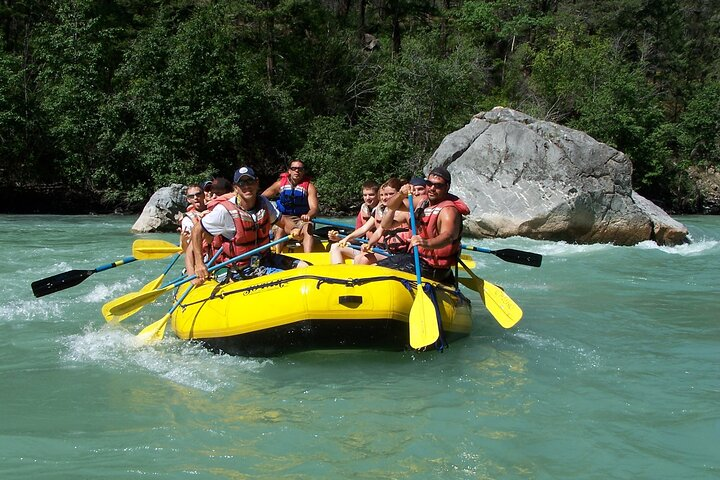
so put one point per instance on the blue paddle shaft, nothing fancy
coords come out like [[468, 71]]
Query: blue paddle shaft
[[108, 266], [416, 252], [234, 259]]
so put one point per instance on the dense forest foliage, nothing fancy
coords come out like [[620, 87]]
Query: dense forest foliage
[[116, 98]]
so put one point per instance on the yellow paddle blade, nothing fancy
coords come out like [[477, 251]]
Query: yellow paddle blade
[[505, 311], [130, 302], [423, 320], [155, 284], [500, 305], [154, 332], [467, 260], [148, 249]]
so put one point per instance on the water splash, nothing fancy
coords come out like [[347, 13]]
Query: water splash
[[686, 249], [180, 362]]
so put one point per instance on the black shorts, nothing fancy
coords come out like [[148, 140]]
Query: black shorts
[[405, 262]]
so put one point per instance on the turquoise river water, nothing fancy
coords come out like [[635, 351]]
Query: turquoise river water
[[613, 373]]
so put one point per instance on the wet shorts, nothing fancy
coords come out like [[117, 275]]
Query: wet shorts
[[405, 262], [295, 222]]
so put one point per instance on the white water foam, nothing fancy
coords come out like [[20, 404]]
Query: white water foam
[[178, 361], [21, 309], [103, 292], [687, 249]]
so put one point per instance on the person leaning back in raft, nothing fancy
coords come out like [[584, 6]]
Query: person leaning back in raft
[[439, 232], [297, 201], [238, 225]]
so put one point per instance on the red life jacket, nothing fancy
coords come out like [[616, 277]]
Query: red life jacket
[[397, 239], [193, 214], [250, 232], [363, 216], [446, 256]]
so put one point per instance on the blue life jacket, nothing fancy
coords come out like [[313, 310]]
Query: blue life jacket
[[293, 200]]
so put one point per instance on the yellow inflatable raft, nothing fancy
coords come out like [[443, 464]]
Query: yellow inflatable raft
[[319, 307]]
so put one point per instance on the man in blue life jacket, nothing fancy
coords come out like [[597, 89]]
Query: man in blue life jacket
[[297, 201]]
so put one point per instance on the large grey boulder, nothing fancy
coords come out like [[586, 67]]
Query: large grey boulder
[[523, 176], [163, 211]]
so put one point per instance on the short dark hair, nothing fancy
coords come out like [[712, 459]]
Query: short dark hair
[[370, 185], [221, 186], [441, 172]]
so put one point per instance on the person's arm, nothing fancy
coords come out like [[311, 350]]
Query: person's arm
[[399, 200], [449, 224], [194, 258], [217, 222], [358, 232], [373, 240], [273, 191], [313, 203]]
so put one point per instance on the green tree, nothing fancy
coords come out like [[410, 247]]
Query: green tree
[[700, 127], [72, 87]]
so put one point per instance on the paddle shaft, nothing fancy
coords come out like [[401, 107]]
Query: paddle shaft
[[64, 280], [155, 331], [333, 224], [260, 249], [416, 252], [510, 255]]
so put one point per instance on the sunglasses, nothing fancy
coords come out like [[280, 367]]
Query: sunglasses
[[245, 183], [297, 169], [436, 184], [195, 195]]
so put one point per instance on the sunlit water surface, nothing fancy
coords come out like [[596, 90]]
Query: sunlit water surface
[[614, 372]]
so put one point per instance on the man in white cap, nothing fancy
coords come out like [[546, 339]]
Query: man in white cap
[[239, 225]]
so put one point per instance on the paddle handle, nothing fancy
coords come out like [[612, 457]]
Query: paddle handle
[[108, 266]]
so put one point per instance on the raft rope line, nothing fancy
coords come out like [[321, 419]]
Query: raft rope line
[[349, 282]]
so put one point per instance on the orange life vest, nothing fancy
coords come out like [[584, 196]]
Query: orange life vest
[[250, 232], [446, 256]]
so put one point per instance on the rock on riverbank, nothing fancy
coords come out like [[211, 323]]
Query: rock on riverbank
[[532, 178]]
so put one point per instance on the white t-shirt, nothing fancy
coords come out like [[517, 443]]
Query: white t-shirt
[[187, 224], [220, 222]]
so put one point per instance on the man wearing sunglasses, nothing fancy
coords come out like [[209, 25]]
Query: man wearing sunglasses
[[439, 227], [297, 201], [196, 206]]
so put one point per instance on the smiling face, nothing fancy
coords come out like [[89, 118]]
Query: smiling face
[[386, 193], [437, 189], [246, 190], [418, 190], [370, 197]]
